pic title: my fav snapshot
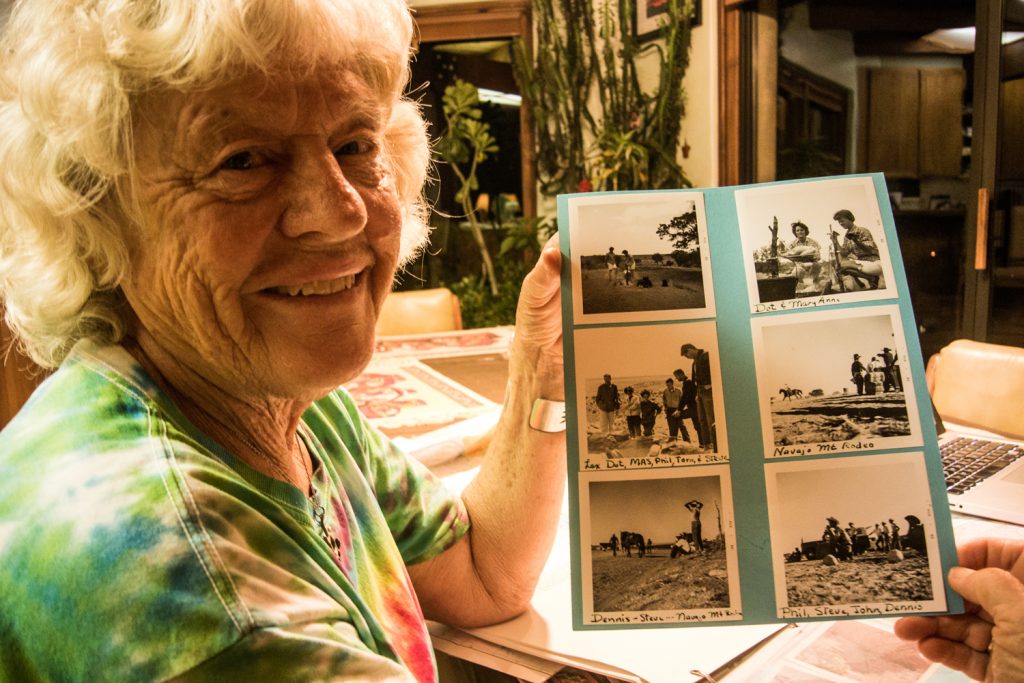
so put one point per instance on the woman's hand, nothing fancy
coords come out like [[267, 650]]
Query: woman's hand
[[539, 322], [987, 642]]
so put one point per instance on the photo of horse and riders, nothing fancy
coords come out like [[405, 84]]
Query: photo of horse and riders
[[853, 531], [818, 241], [834, 381], [653, 398], [659, 544], [640, 257]]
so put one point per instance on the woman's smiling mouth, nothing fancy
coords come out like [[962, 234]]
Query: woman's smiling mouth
[[317, 288]]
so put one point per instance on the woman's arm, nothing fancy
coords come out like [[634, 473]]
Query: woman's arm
[[515, 500]]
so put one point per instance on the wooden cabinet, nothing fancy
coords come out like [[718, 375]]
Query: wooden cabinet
[[910, 124]]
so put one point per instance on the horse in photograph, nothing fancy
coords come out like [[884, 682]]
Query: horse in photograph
[[630, 540]]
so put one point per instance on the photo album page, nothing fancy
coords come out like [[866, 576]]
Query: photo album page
[[749, 429]]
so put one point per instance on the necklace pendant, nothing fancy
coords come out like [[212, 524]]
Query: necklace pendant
[[320, 517]]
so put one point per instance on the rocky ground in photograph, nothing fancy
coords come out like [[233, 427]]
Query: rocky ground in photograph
[[845, 417], [659, 582], [865, 578], [685, 289]]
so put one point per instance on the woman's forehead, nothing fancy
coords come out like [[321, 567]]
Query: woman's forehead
[[258, 104]]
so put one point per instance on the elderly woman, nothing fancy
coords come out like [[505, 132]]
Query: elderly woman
[[203, 206]]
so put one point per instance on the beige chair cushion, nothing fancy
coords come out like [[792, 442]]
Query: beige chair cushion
[[419, 311], [979, 385]]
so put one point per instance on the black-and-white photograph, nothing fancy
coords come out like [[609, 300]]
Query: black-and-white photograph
[[640, 257], [645, 396], [854, 531], [815, 243], [659, 544], [834, 381]]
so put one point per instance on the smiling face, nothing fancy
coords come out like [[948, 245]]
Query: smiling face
[[270, 233]]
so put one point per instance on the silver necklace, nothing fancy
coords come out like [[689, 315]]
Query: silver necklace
[[325, 529]]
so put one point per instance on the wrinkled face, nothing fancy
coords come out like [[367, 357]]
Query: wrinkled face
[[845, 222], [271, 230]]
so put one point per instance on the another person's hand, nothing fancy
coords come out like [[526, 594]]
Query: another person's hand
[[987, 642]]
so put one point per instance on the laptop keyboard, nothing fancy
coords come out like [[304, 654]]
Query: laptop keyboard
[[967, 462]]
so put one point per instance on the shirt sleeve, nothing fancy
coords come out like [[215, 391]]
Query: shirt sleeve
[[424, 516]]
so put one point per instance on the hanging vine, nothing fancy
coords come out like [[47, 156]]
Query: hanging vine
[[583, 56]]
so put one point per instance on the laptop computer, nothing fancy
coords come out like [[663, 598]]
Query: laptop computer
[[984, 474]]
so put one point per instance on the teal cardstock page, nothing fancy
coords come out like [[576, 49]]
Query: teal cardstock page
[[750, 436]]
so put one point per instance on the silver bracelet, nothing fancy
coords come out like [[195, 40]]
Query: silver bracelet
[[547, 416]]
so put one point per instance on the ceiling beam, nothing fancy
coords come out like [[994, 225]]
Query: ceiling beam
[[884, 16]]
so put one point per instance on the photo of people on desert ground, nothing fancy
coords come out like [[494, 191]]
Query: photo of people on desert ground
[[853, 531], [836, 380], [653, 404], [660, 541], [814, 243], [640, 257]]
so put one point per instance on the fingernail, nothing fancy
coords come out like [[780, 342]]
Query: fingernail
[[959, 574]]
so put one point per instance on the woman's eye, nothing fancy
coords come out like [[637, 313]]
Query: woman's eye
[[354, 147], [241, 161]]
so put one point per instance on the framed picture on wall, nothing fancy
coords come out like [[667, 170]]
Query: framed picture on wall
[[650, 14]]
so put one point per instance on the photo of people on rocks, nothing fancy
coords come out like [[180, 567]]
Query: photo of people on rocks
[[653, 406], [660, 542], [852, 531], [813, 244], [641, 257], [834, 381]]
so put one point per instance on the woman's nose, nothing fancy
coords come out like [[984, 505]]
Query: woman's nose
[[323, 205]]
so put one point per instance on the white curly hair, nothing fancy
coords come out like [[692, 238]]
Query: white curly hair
[[72, 73]]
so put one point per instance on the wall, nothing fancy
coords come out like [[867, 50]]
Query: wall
[[700, 125]]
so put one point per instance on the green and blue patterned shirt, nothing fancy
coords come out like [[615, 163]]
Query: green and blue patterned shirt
[[133, 547]]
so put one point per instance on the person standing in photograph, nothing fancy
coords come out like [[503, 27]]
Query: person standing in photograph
[[695, 506], [670, 398], [632, 409], [701, 374], [876, 378], [894, 534], [628, 267], [648, 412], [885, 536], [892, 371], [857, 373], [688, 405], [607, 405], [611, 262], [859, 255], [838, 538]]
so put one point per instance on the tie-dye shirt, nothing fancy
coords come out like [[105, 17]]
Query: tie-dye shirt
[[133, 547]]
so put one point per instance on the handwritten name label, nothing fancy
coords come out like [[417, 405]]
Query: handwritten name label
[[666, 618], [820, 448], [795, 304], [651, 462], [850, 610]]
